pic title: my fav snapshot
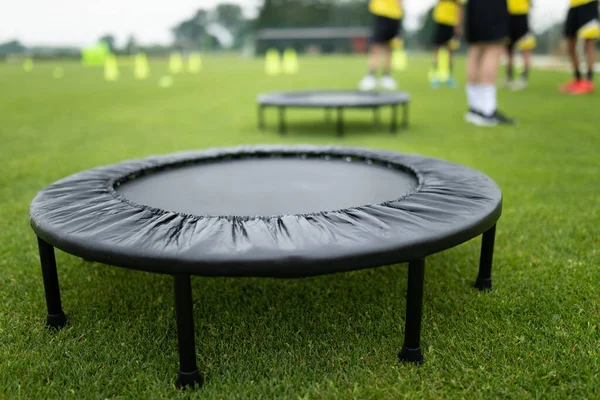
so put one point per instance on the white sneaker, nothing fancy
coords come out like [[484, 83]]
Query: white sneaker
[[478, 119], [367, 83], [388, 83]]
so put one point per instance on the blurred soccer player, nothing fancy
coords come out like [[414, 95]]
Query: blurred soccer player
[[521, 39], [582, 23], [387, 26], [447, 16], [486, 31]]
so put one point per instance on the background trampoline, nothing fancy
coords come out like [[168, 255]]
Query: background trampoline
[[265, 211], [334, 99]]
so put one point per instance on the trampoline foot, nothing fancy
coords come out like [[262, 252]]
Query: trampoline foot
[[184, 307], [411, 355], [483, 284], [189, 379], [411, 349], [56, 321], [484, 279]]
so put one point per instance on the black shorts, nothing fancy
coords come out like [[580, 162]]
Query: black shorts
[[443, 34], [385, 29], [486, 21], [579, 16], [518, 27]]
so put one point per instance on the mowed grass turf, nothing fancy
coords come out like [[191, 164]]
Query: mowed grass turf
[[537, 335]]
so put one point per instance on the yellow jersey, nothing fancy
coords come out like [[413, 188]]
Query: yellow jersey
[[577, 3], [386, 8], [519, 7], [446, 11]]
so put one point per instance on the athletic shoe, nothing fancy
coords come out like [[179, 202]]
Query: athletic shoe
[[584, 87], [478, 119], [497, 118], [367, 83], [502, 119], [451, 83], [388, 83], [570, 86], [435, 83]]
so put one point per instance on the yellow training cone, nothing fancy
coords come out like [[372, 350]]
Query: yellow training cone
[[141, 69], [111, 68], [399, 59], [290, 61], [272, 62], [58, 73], [28, 65], [194, 62], [165, 81], [175, 63], [443, 64]]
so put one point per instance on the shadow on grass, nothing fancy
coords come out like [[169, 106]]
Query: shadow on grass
[[316, 128]]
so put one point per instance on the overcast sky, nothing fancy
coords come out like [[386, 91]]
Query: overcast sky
[[82, 22]]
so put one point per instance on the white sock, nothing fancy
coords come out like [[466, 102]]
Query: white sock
[[472, 98], [489, 102]]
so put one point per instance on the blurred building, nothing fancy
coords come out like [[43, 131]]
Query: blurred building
[[314, 40]]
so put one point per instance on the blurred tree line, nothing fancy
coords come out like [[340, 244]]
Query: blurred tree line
[[198, 31], [310, 13], [194, 32]]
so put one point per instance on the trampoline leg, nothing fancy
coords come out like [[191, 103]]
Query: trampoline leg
[[56, 317], [282, 120], [394, 123], [340, 121], [411, 351], [184, 311], [484, 279], [261, 117], [405, 116]]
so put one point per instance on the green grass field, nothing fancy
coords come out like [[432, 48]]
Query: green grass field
[[537, 335]]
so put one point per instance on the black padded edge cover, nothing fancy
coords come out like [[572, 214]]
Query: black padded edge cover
[[355, 99], [83, 215]]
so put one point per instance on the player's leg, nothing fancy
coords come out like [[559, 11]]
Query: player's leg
[[438, 42], [451, 81], [571, 28], [510, 64], [490, 63], [526, 65], [589, 31], [474, 54], [434, 79], [587, 85], [369, 81], [442, 66], [590, 51], [487, 33], [510, 50], [393, 31]]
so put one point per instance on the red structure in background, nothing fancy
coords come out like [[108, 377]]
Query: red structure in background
[[315, 40], [360, 45]]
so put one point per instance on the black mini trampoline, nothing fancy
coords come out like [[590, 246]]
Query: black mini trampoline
[[266, 211], [334, 99]]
